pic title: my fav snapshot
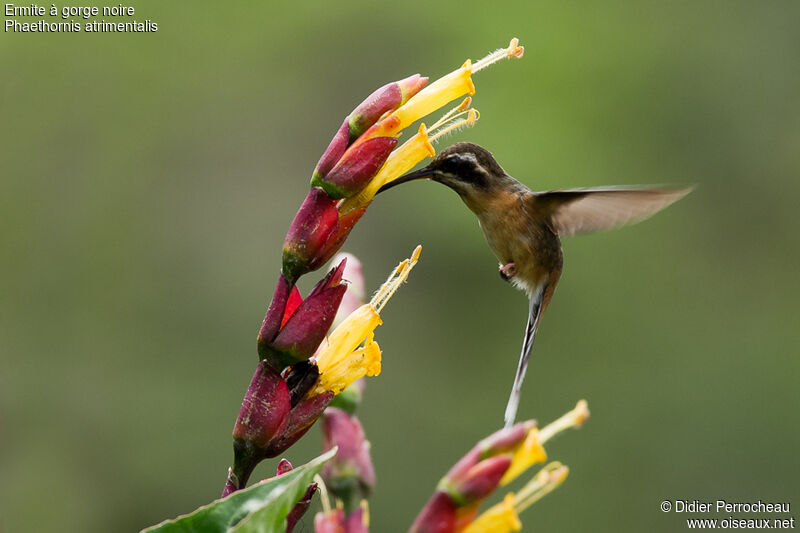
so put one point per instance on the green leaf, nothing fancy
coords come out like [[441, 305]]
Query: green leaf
[[261, 508]]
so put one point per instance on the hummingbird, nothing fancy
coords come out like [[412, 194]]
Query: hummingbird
[[524, 228]]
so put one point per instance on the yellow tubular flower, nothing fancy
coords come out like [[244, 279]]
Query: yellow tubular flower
[[436, 95], [531, 451], [449, 87], [500, 518], [504, 517], [527, 455], [341, 359]]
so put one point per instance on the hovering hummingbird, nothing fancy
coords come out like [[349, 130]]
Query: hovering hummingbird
[[524, 228]]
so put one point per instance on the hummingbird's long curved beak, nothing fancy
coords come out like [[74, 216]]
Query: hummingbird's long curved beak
[[425, 172]]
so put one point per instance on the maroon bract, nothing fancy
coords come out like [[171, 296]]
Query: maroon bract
[[268, 424], [345, 168], [342, 172], [310, 236], [356, 168], [265, 409], [439, 515], [301, 418], [386, 98], [293, 328], [334, 150], [300, 508]]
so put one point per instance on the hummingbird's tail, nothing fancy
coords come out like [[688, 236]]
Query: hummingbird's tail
[[534, 312]]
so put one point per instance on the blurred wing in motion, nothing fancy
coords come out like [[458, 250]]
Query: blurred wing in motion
[[579, 211]]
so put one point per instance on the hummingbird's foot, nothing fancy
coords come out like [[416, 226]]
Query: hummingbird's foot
[[508, 271]]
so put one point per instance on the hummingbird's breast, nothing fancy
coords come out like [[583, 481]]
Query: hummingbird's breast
[[518, 234]]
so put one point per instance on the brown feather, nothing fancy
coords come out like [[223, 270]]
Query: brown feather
[[579, 211]]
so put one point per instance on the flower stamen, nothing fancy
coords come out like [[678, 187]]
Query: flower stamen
[[573, 419], [396, 278], [458, 111], [545, 481], [456, 123], [513, 50]]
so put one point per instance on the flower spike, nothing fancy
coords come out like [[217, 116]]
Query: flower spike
[[363, 156], [494, 462], [343, 170], [300, 372]]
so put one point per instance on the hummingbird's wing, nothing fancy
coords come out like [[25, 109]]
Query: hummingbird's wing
[[536, 298], [578, 211]]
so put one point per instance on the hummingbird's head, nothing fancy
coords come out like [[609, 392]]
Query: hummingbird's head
[[466, 168]]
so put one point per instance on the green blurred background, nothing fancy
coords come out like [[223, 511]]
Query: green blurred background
[[148, 181]]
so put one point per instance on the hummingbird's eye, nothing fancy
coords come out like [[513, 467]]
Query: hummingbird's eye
[[463, 168], [456, 161]]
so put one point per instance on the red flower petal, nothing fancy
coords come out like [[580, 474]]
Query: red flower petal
[[294, 302]]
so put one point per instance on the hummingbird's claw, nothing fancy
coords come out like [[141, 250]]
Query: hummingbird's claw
[[508, 271]]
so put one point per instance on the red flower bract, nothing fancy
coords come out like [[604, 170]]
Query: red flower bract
[[293, 328]]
